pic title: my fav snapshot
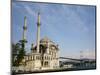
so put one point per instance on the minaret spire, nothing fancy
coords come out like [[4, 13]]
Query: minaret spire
[[23, 41], [24, 28], [38, 32]]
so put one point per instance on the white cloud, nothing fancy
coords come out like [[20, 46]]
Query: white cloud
[[85, 54], [89, 54], [15, 5], [29, 10], [78, 22]]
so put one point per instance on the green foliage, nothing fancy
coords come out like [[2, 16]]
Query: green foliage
[[18, 52], [15, 49]]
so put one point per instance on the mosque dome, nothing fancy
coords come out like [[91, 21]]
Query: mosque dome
[[46, 40]]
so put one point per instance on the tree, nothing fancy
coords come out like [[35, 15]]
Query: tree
[[18, 52], [15, 50]]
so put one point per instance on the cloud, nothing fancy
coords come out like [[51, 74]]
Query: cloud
[[84, 54], [29, 10], [14, 4], [89, 54], [59, 22], [74, 19]]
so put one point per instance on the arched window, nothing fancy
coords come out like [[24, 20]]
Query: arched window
[[46, 64]]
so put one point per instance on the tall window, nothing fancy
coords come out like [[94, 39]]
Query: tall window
[[46, 64]]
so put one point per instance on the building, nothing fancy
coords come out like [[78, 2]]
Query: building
[[43, 56], [47, 58]]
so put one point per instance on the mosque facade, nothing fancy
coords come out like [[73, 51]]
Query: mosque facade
[[44, 55]]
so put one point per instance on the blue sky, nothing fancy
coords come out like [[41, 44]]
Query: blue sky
[[72, 27]]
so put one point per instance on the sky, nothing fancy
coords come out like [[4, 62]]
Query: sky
[[72, 27]]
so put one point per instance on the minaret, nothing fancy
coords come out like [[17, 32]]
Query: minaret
[[23, 41], [24, 29], [38, 32]]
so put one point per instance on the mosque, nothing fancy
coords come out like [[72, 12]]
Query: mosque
[[43, 55]]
